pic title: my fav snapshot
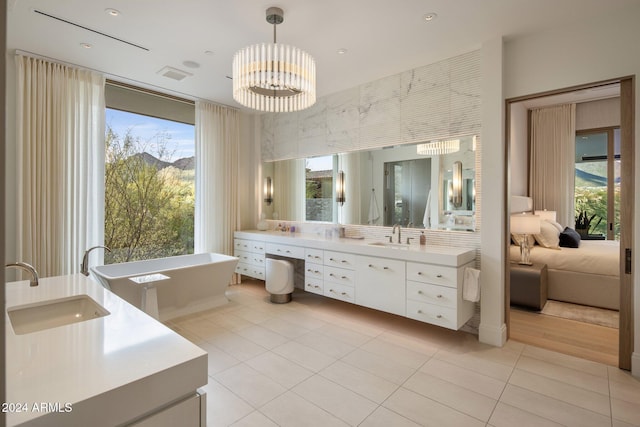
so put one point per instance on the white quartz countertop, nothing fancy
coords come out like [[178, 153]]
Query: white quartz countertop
[[79, 363], [442, 255]]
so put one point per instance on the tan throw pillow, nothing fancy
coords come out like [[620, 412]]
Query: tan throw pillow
[[549, 236]]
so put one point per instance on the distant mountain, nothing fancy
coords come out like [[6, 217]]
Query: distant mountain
[[185, 163]]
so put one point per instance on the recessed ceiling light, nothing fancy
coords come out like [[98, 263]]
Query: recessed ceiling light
[[191, 64], [430, 16], [86, 45], [208, 52], [342, 51], [112, 12]]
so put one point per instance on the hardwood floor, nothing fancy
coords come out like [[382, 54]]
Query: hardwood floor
[[592, 342]]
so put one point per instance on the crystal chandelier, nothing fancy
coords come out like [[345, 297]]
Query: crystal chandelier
[[272, 76], [435, 148]]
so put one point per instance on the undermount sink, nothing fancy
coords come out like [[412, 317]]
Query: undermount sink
[[390, 245], [51, 314]]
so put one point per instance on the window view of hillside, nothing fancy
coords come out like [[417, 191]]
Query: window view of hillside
[[149, 187], [593, 191]]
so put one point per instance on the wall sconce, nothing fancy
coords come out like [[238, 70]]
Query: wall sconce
[[268, 190], [456, 196], [525, 224], [340, 189]]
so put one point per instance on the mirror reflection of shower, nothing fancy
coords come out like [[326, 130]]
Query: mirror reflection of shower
[[407, 184]]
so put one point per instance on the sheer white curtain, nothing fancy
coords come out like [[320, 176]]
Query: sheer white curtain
[[552, 167], [217, 146], [289, 189], [60, 157]]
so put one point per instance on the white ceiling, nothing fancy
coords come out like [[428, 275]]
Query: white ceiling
[[383, 37]]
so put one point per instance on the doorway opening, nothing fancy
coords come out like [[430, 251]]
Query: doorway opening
[[603, 192]]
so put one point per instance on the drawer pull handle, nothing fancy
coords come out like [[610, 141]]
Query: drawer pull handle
[[419, 311], [343, 294], [316, 257], [331, 274], [331, 259], [439, 276], [343, 277], [317, 287], [419, 273], [288, 252], [343, 261], [385, 268], [439, 316], [438, 296], [420, 292]]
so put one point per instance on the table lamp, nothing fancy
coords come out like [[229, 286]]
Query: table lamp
[[525, 224]]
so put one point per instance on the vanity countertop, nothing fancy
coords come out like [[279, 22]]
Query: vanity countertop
[[442, 255], [107, 370]]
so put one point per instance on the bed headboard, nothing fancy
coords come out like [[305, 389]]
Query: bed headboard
[[521, 204]]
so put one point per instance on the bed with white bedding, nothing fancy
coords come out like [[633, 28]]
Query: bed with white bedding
[[588, 275]]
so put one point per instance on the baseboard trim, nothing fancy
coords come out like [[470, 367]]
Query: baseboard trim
[[635, 364], [495, 336]]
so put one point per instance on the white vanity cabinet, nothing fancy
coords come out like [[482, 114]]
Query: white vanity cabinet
[[251, 257], [339, 275], [422, 283], [314, 271], [380, 284], [434, 295]]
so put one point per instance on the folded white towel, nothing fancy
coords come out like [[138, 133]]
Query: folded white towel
[[471, 285], [374, 213]]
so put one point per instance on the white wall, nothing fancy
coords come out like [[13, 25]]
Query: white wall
[[579, 54]]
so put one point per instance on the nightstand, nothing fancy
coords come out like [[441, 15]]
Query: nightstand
[[529, 285]]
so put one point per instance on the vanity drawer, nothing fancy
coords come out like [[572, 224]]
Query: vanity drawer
[[432, 294], [314, 255], [250, 258], [340, 259], [313, 271], [285, 250], [339, 275], [242, 244], [313, 285], [248, 246], [341, 292], [250, 270], [434, 314], [430, 273]]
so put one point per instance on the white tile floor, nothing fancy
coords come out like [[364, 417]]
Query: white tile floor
[[320, 362]]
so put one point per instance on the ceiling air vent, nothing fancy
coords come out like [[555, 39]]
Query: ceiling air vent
[[173, 73]]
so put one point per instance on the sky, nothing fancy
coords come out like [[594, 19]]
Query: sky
[[181, 141]]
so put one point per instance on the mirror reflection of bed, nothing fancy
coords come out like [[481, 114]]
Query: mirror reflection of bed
[[577, 313]]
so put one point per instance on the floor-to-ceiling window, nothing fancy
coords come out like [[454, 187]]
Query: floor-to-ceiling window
[[597, 183], [149, 175]]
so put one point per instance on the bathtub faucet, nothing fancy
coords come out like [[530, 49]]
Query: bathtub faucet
[[84, 267], [26, 267]]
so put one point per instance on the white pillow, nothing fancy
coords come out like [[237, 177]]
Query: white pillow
[[549, 236], [556, 225]]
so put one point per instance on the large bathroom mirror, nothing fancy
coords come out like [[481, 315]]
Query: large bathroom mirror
[[386, 186]]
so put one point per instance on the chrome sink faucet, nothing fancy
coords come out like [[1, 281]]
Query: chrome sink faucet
[[84, 267], [26, 267], [393, 231]]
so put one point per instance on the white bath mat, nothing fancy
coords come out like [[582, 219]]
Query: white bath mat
[[582, 313]]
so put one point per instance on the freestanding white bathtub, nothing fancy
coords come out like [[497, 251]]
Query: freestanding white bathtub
[[166, 288]]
